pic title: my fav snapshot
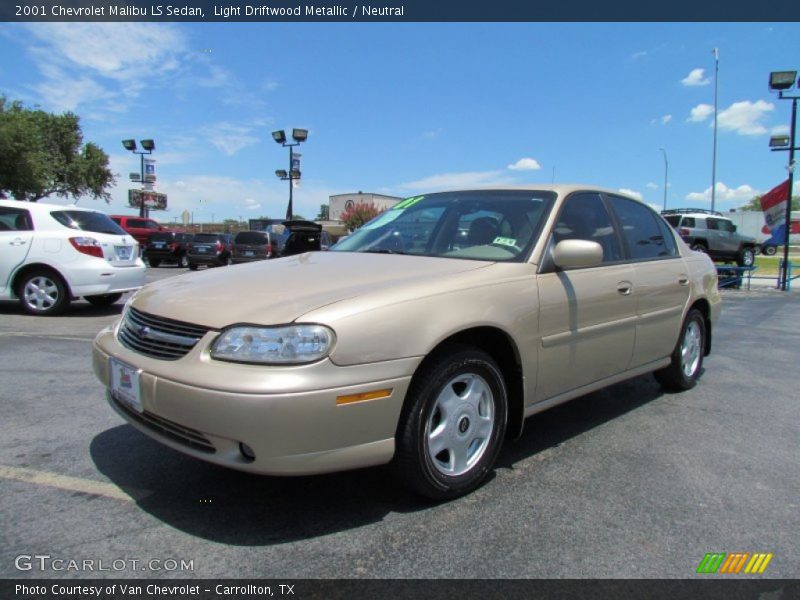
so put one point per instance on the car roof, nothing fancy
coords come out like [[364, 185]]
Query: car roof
[[44, 206], [562, 189]]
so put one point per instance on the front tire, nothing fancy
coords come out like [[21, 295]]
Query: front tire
[[43, 293], [154, 262], [746, 258], [687, 358], [453, 424]]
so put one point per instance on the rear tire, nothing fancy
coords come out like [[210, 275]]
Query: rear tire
[[43, 293], [102, 301], [192, 267], [183, 261], [154, 262], [769, 250], [687, 357], [452, 425]]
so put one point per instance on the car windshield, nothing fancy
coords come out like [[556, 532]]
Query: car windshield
[[84, 220], [491, 225]]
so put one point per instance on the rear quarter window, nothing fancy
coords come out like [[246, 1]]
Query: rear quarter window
[[87, 221]]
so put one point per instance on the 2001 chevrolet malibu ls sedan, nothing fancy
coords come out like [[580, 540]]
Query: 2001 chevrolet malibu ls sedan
[[424, 339]]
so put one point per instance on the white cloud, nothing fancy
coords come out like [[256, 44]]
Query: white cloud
[[251, 204], [525, 164], [744, 117], [638, 55], [666, 119], [700, 113], [458, 180], [652, 186], [230, 138], [637, 195], [695, 78], [780, 130], [432, 134], [724, 193]]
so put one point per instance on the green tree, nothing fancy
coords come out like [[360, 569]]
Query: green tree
[[359, 214], [43, 154], [324, 213], [755, 204]]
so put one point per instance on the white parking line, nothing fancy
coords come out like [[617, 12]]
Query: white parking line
[[68, 338], [63, 482]]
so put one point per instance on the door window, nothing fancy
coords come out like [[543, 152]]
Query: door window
[[640, 228], [584, 217], [14, 219]]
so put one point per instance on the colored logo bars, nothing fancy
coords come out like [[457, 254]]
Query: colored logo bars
[[734, 563]]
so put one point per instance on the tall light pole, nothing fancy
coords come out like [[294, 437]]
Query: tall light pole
[[666, 178], [147, 148], [299, 136], [781, 81], [715, 52]]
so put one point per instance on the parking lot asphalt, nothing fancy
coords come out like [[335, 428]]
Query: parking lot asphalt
[[629, 482]]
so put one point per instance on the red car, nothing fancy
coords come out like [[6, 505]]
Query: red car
[[140, 228]]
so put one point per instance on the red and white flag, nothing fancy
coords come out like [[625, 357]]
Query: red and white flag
[[773, 203]]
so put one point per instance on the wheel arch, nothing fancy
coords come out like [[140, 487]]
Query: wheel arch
[[501, 347], [29, 268], [704, 307]]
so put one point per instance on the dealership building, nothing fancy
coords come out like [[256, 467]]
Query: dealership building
[[341, 202]]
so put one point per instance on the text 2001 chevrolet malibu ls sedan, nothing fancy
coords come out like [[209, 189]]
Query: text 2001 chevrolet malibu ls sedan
[[424, 338]]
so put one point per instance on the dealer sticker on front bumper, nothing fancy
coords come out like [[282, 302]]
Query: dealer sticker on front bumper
[[125, 384]]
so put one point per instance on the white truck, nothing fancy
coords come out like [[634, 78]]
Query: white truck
[[752, 223]]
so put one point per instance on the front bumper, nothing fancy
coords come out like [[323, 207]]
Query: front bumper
[[288, 416]]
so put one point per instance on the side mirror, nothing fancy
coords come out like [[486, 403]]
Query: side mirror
[[577, 254]]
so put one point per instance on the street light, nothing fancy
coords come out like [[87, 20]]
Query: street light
[[781, 81], [148, 147], [299, 136], [666, 181], [715, 52]]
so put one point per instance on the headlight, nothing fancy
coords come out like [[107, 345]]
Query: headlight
[[292, 344]]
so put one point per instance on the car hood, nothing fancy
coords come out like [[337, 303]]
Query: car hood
[[279, 291]]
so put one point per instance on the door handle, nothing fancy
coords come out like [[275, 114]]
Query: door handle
[[18, 242], [625, 288], [683, 280]]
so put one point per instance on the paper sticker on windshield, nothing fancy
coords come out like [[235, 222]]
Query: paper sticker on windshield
[[408, 202], [504, 241]]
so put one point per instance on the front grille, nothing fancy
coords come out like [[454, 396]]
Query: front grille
[[178, 433], [157, 337]]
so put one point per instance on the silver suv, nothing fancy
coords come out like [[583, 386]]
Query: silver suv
[[710, 232]]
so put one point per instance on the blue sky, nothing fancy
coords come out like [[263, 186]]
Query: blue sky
[[407, 108]]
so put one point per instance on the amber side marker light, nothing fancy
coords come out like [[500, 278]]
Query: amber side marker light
[[364, 397]]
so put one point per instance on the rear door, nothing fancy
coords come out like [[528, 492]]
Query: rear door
[[659, 275], [16, 237]]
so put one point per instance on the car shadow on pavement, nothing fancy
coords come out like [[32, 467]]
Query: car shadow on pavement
[[238, 508], [77, 309], [561, 423]]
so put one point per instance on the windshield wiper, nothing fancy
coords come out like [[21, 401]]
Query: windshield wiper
[[383, 251]]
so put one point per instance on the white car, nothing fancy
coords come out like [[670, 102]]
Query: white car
[[51, 254]]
